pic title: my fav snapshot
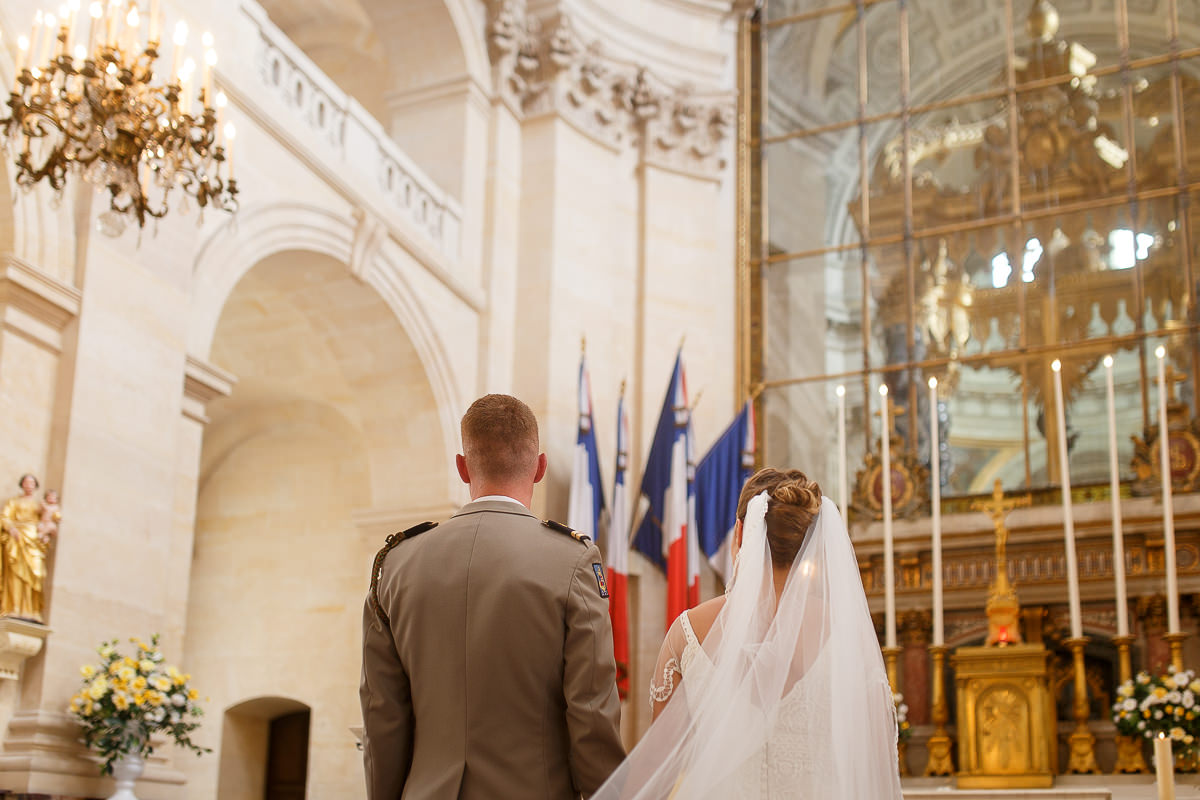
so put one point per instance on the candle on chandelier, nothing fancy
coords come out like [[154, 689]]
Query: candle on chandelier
[[49, 31], [35, 37], [22, 56], [230, 134], [95, 12], [889, 568], [111, 18], [155, 23], [1114, 488], [1064, 471], [180, 41], [1168, 503], [133, 25], [935, 473], [185, 81], [210, 61], [843, 490]]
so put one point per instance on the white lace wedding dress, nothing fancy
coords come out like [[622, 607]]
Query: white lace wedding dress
[[788, 765]]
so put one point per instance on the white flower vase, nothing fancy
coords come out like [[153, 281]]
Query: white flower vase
[[126, 770]]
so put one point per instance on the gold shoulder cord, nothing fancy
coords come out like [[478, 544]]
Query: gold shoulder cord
[[377, 567]]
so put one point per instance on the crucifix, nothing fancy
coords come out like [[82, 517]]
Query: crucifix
[[1003, 607]]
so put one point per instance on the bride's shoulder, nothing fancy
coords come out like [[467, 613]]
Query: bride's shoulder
[[704, 615]]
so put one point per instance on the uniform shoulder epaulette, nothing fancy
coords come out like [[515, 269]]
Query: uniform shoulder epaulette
[[574, 534], [377, 567]]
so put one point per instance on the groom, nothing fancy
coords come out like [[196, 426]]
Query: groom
[[488, 666]]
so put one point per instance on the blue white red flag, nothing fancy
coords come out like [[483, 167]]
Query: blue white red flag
[[662, 535], [585, 506], [618, 554], [719, 480]]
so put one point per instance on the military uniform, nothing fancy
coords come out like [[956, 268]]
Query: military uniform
[[488, 667]]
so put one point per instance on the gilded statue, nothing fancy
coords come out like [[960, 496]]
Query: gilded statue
[[1003, 608], [28, 526]]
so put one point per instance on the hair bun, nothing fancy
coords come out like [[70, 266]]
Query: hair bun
[[801, 492]]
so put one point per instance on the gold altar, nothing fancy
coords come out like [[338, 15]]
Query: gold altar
[[1006, 717]]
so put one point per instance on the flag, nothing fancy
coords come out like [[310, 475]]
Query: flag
[[618, 555], [693, 540], [719, 480], [585, 506], [662, 533]]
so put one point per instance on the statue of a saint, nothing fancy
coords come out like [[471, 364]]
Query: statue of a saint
[[28, 526]]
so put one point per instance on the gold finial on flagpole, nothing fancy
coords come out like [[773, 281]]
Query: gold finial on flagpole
[[622, 392], [696, 402], [583, 344], [682, 339]]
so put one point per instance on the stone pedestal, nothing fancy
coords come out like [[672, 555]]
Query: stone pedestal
[[19, 639], [1005, 717]]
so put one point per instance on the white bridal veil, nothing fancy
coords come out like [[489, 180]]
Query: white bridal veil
[[792, 702]]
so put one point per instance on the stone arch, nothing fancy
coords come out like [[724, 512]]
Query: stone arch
[[259, 233], [245, 744], [332, 427]]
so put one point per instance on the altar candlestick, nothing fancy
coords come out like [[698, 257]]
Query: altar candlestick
[[843, 490], [935, 472], [1064, 470], [1168, 503], [889, 569], [1164, 768], [1114, 486]]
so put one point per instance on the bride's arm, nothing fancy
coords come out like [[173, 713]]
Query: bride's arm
[[668, 675]]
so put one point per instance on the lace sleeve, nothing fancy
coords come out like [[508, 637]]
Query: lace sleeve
[[667, 672]]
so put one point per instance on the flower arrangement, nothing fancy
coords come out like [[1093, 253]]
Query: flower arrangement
[[125, 700], [903, 726], [1168, 704]]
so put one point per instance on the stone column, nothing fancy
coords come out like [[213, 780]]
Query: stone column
[[1152, 613], [915, 630]]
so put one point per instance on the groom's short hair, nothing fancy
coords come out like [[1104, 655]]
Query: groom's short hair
[[500, 437]]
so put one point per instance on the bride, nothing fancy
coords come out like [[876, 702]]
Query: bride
[[778, 689]]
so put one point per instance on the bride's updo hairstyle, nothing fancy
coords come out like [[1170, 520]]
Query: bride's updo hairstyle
[[795, 501]]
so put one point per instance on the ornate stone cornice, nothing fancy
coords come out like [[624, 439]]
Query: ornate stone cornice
[[543, 66], [202, 383], [35, 304]]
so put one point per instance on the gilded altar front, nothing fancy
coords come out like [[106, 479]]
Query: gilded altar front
[[1006, 717]]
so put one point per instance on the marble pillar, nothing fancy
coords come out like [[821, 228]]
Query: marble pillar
[[915, 630]]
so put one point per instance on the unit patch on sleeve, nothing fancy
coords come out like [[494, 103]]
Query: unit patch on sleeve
[[600, 582]]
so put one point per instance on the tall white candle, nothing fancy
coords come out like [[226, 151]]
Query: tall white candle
[[889, 567], [935, 474], [843, 481], [1064, 470], [1164, 450], [1164, 768], [1114, 486]]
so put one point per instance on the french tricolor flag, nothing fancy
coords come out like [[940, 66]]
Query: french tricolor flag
[[662, 535], [618, 554], [719, 480], [585, 506]]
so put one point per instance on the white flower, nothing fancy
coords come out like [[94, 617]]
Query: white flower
[[174, 717], [1130, 704], [178, 700], [1188, 700], [1125, 689], [1141, 725], [1158, 715], [1174, 697], [1182, 679]]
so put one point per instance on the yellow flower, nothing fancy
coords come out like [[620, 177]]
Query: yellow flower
[[87, 671], [126, 673], [176, 676], [162, 683], [146, 665], [121, 701], [129, 662], [98, 688], [142, 645], [139, 698], [76, 703], [193, 694], [1160, 692], [155, 698], [139, 683], [87, 707]]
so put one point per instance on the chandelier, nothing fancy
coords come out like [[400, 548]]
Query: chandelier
[[98, 108]]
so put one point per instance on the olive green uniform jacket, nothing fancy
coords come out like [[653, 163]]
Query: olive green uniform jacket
[[493, 676]]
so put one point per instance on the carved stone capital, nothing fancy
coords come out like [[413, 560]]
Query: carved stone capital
[[19, 640], [544, 66]]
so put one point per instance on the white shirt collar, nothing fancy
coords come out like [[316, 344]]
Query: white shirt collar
[[502, 497]]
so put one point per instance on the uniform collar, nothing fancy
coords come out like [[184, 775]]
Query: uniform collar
[[504, 505]]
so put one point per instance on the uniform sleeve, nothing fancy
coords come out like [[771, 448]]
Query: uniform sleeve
[[590, 679], [388, 722]]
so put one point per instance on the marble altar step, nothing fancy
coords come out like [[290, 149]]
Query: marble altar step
[[1068, 787]]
